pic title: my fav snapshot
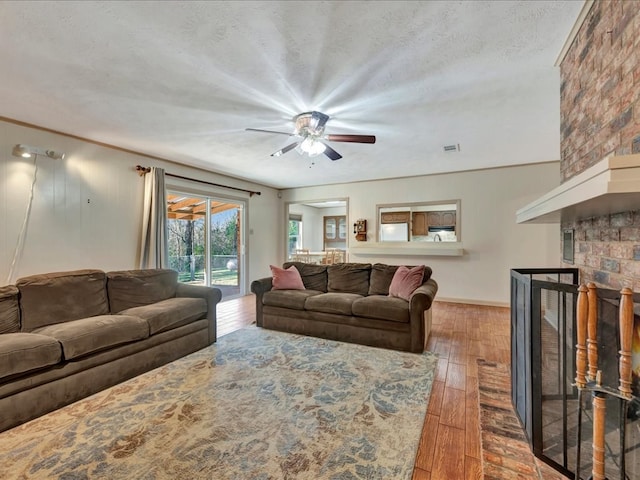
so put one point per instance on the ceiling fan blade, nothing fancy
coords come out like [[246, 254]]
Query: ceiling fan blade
[[286, 149], [331, 153], [269, 131], [318, 120], [351, 138]]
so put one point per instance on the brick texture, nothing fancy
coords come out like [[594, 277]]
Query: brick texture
[[600, 116]]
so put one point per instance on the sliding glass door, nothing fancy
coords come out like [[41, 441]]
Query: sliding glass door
[[206, 241], [226, 251]]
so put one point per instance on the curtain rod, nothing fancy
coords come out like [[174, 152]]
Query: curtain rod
[[142, 170]]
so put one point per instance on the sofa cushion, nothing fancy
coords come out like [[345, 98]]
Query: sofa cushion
[[89, 335], [338, 303], [349, 278], [313, 276], [427, 273], [286, 278], [382, 307], [381, 276], [9, 310], [405, 281], [169, 313], [294, 299], [23, 352], [135, 288], [52, 298]]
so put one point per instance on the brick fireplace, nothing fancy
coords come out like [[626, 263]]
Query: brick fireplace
[[598, 205], [600, 115]]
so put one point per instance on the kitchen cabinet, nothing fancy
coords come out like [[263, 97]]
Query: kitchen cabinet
[[330, 229], [419, 223], [342, 228], [335, 231], [448, 219], [394, 217], [445, 218]]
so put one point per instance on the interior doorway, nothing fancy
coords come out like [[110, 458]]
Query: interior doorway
[[206, 241], [316, 225]]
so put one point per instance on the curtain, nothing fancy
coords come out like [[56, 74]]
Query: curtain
[[154, 247]]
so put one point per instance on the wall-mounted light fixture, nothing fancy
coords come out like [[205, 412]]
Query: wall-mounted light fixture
[[26, 151]]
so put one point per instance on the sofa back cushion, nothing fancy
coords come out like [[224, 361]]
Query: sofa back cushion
[[382, 274], [136, 288], [313, 276], [349, 278], [58, 297], [9, 310]]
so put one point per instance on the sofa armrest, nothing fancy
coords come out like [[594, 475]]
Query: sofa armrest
[[420, 316], [212, 295], [260, 287], [423, 296]]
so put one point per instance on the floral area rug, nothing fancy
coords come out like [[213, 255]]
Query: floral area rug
[[258, 404]]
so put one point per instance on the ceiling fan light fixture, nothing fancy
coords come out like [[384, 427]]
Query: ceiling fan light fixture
[[309, 131], [312, 147]]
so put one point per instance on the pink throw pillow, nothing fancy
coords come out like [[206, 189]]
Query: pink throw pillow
[[405, 281], [288, 279]]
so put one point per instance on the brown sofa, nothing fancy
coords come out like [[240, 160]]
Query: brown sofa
[[67, 335], [348, 302]]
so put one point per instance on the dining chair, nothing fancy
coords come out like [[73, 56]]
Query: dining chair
[[329, 256], [302, 255]]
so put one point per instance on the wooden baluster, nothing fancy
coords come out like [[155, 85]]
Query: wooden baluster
[[592, 334], [581, 349], [626, 335], [599, 414]]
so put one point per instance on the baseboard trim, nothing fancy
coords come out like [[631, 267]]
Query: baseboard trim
[[468, 301]]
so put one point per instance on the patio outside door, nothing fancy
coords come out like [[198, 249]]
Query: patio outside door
[[206, 241]]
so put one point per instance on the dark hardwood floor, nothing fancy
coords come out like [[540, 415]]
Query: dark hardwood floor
[[450, 443]]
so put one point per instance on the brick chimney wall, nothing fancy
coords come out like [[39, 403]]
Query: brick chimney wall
[[600, 115]]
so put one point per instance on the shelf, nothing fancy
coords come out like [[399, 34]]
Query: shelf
[[610, 186], [450, 249]]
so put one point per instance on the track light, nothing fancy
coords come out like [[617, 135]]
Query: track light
[[25, 151]]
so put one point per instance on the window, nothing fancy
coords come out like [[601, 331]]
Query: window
[[295, 234]]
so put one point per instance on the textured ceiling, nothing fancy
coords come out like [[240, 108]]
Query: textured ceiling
[[182, 80]]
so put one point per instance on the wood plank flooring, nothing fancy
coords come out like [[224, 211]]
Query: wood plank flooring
[[450, 444]]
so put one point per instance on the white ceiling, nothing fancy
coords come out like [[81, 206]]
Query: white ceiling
[[182, 80]]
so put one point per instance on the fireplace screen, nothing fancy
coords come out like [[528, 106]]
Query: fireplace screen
[[544, 370]]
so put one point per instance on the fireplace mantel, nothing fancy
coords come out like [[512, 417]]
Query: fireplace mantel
[[610, 186]]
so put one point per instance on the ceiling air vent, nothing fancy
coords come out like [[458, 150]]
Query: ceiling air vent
[[452, 148]]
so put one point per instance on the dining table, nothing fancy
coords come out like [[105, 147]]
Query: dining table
[[317, 256]]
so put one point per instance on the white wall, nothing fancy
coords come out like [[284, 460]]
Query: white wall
[[86, 213], [86, 210], [493, 242]]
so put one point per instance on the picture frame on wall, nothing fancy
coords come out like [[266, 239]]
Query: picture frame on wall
[[567, 246]]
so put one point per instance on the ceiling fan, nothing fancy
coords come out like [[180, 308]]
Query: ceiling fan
[[311, 138]]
